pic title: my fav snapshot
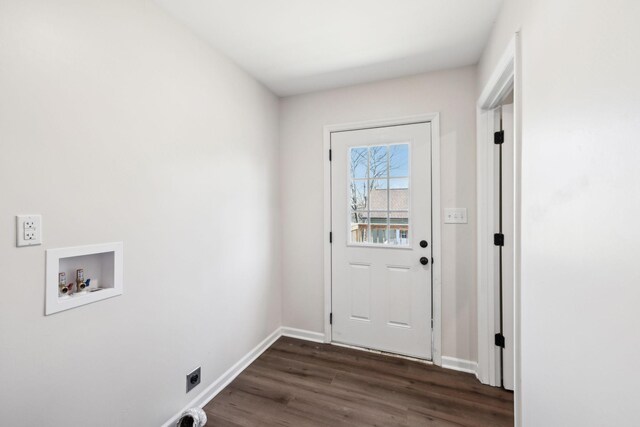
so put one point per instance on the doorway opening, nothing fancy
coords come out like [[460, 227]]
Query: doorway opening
[[498, 191]]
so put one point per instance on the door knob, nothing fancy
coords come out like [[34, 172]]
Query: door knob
[[424, 260], [423, 243]]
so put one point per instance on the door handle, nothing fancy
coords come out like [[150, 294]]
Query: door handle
[[424, 260]]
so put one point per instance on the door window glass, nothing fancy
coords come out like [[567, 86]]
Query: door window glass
[[379, 194]]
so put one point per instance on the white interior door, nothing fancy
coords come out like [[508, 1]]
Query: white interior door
[[505, 255], [508, 251], [381, 228]]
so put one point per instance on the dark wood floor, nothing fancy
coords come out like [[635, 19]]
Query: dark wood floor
[[300, 383]]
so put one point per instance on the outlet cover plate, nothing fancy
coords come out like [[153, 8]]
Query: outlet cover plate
[[193, 379], [28, 230], [455, 215]]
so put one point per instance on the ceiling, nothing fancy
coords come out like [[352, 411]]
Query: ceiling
[[299, 46]]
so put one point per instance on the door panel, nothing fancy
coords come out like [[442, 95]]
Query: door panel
[[497, 251], [504, 255], [399, 296], [360, 282], [508, 255], [381, 210]]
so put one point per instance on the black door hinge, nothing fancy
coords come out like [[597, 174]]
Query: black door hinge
[[500, 340], [330, 237], [498, 137], [329, 154], [498, 239], [331, 318]]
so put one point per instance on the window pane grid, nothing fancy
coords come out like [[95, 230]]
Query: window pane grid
[[379, 197]]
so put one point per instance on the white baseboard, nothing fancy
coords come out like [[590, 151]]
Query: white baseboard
[[218, 385], [302, 334], [459, 364]]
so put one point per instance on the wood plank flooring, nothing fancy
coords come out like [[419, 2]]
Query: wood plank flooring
[[300, 383]]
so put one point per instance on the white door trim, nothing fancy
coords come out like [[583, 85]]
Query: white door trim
[[506, 76], [434, 119]]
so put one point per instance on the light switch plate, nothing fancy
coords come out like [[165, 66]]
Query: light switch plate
[[455, 215], [28, 230]]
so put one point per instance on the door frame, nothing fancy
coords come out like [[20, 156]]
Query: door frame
[[436, 266], [505, 76]]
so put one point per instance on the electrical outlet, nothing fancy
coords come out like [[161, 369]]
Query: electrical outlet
[[193, 379], [28, 230]]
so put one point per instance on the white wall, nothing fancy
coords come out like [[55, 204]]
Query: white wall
[[452, 93], [580, 201], [117, 124]]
